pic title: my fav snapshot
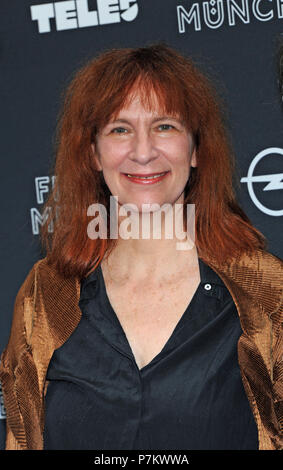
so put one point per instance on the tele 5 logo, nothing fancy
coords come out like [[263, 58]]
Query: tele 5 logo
[[73, 14]]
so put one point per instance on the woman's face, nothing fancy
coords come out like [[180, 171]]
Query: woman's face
[[145, 156]]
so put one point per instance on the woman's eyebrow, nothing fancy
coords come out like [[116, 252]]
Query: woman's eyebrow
[[171, 118], [124, 121], [156, 119]]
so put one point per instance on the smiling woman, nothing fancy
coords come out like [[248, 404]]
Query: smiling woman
[[127, 342], [160, 83], [148, 160]]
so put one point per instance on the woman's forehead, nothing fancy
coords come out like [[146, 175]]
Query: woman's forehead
[[151, 102]]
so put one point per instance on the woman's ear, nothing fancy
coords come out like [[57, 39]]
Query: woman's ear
[[96, 157]]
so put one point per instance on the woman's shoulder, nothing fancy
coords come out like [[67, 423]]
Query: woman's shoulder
[[50, 292], [45, 277], [256, 275], [28, 286], [45, 300], [259, 265], [267, 260]]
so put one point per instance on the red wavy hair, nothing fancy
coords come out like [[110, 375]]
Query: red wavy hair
[[96, 93]]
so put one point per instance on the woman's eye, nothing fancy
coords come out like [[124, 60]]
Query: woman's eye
[[119, 130], [165, 127]]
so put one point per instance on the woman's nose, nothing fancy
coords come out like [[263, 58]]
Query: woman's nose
[[143, 150]]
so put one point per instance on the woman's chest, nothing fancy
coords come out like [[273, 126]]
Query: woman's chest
[[93, 378], [149, 313]]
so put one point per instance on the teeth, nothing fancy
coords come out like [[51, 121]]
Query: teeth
[[147, 177]]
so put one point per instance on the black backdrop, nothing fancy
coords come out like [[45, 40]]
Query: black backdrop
[[42, 43]]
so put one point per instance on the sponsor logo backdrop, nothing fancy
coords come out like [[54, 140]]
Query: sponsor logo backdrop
[[234, 41]]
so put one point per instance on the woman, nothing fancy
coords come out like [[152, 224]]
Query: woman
[[125, 342]]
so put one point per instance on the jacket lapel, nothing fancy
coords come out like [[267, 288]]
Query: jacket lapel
[[255, 282]]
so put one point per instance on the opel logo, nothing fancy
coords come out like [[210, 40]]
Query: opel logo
[[275, 181]]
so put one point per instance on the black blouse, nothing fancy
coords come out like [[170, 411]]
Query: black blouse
[[190, 396]]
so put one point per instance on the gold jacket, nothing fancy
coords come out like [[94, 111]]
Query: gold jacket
[[46, 312]]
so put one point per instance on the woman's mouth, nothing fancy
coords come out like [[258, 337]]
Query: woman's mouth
[[151, 178]]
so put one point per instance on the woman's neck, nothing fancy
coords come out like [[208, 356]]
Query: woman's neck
[[146, 260], [151, 245]]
